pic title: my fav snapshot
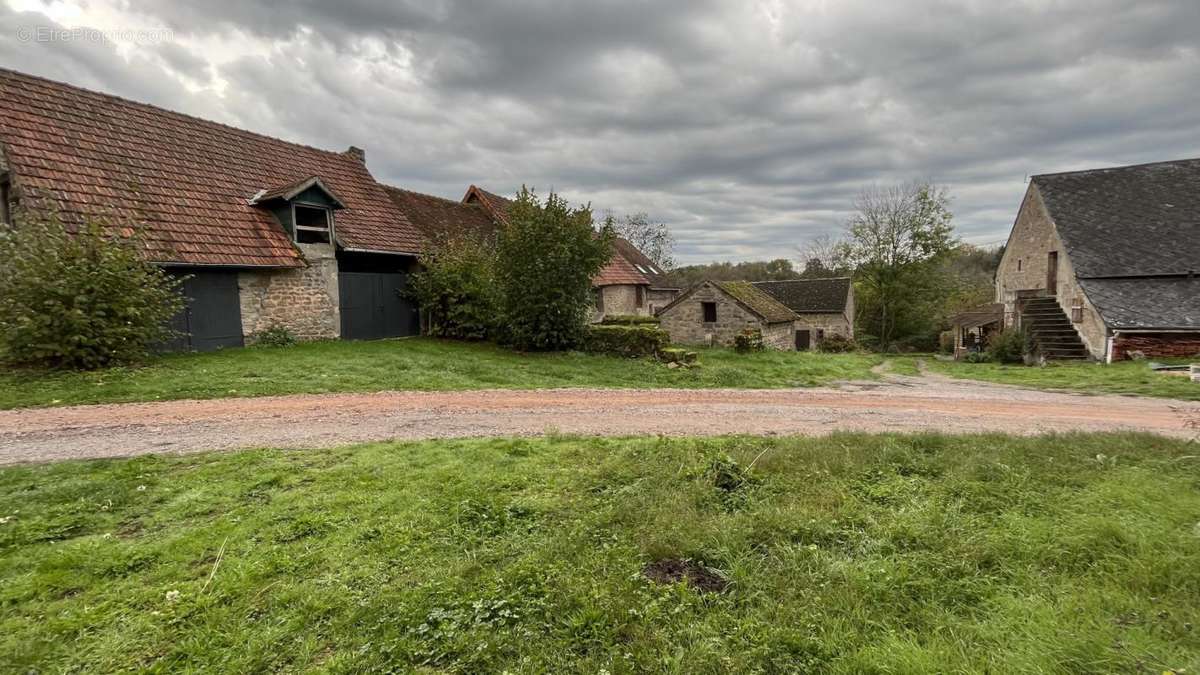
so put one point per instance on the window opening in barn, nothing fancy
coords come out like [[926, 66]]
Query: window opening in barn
[[641, 296], [313, 224], [710, 312], [5, 200]]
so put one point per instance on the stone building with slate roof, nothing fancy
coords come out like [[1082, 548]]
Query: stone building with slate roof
[[269, 233], [824, 307], [1104, 263], [715, 312]]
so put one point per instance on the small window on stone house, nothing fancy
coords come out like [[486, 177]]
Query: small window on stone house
[[640, 296], [710, 312], [1018, 264], [314, 224], [820, 334], [5, 201], [600, 299]]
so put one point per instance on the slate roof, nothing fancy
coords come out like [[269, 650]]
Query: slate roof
[[757, 301], [810, 296], [85, 155], [1139, 220], [653, 273], [1146, 303], [438, 218]]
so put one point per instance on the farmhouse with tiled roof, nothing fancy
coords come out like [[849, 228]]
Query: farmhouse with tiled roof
[[1102, 264], [270, 233]]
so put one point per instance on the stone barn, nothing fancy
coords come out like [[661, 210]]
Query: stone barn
[[715, 312], [1102, 264]]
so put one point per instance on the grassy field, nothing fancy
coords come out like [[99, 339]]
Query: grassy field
[[420, 364], [846, 554], [1123, 377]]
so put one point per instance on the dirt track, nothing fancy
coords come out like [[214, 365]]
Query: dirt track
[[898, 404]]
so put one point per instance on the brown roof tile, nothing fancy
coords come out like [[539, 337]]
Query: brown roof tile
[[438, 218], [85, 155]]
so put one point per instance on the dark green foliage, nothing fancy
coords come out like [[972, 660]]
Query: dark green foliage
[[749, 340], [80, 300], [628, 320], [639, 340], [780, 269], [837, 344], [547, 254], [1008, 346], [456, 289], [275, 336]]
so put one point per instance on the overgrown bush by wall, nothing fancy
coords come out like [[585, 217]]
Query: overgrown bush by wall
[[274, 336], [749, 340], [837, 344], [1008, 346], [641, 340], [80, 300], [456, 289]]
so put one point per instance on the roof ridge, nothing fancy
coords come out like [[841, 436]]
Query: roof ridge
[[453, 202], [159, 109], [1116, 168], [788, 281]]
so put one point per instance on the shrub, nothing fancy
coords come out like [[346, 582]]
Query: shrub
[[749, 340], [82, 300], [274, 336], [547, 255], [625, 340], [456, 289], [946, 342], [837, 344], [628, 320], [1008, 346]]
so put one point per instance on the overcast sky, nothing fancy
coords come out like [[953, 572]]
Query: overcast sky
[[747, 126]]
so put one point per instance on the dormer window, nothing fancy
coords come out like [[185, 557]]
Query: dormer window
[[314, 224]]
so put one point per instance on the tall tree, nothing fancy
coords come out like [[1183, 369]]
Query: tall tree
[[894, 242], [546, 256], [652, 238]]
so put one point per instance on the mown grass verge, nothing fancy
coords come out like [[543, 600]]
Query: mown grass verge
[[845, 554], [413, 364], [1123, 377]]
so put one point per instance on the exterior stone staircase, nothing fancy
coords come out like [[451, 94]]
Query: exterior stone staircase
[[1053, 333]]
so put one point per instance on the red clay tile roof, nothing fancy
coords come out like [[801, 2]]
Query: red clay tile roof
[[438, 218], [81, 154], [619, 271], [654, 273], [495, 204]]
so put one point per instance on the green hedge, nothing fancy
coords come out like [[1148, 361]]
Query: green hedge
[[643, 340], [628, 320]]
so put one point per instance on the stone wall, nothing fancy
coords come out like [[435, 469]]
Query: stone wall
[[305, 300], [621, 300], [1162, 345], [1024, 267], [686, 326], [830, 324], [779, 336], [657, 299]]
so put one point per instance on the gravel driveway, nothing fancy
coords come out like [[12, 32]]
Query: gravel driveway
[[927, 403]]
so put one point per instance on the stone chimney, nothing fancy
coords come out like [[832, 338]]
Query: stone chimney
[[357, 153]]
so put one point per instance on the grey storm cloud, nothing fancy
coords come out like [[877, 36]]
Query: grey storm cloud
[[748, 127]]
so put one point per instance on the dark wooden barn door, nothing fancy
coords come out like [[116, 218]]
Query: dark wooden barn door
[[1052, 273], [373, 306], [212, 316], [803, 340]]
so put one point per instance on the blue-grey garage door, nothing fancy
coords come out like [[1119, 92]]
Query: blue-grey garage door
[[373, 306], [212, 317]]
